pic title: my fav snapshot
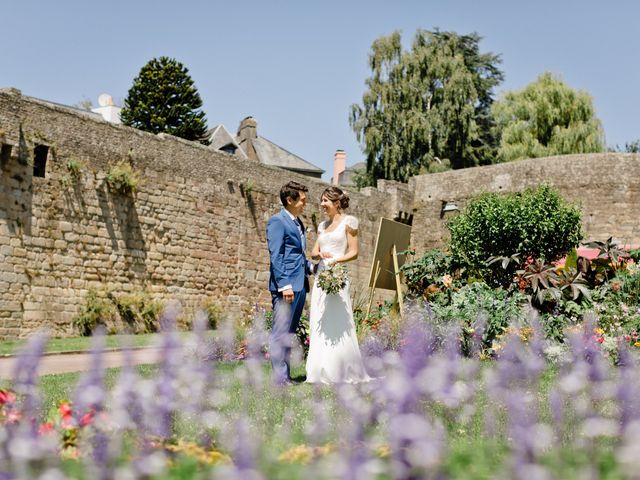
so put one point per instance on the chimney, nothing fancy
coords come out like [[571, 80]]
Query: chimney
[[339, 166], [247, 132]]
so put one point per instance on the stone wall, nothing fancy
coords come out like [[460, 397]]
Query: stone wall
[[194, 230], [606, 187]]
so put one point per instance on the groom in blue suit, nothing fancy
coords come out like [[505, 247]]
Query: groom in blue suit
[[288, 282]]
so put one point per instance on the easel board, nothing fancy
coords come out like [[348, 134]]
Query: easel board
[[383, 271]]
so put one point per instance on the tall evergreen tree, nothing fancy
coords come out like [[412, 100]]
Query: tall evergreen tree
[[164, 98], [428, 108], [547, 117]]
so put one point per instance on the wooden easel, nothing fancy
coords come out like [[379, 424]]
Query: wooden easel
[[396, 274], [385, 272]]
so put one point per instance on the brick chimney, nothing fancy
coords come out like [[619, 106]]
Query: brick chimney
[[247, 132], [339, 165]]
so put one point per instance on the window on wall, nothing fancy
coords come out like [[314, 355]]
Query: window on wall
[[40, 154], [5, 154]]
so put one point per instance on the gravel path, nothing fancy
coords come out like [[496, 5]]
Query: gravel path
[[75, 362]]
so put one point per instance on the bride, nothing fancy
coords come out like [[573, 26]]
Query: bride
[[334, 355]]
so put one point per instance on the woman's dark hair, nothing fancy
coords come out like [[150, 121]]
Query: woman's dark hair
[[291, 190], [334, 194]]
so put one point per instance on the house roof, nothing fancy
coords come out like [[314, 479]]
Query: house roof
[[270, 153], [220, 137]]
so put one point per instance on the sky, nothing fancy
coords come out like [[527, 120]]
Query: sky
[[298, 66]]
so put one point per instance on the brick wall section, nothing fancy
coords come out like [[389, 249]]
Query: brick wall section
[[195, 229], [605, 186]]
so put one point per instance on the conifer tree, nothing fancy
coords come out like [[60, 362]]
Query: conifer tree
[[164, 98]]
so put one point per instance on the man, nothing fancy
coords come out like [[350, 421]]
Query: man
[[288, 282]]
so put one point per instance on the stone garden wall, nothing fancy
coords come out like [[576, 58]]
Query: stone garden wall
[[195, 229], [606, 187]]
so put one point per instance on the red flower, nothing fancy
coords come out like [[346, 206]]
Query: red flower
[[66, 414], [600, 339], [7, 396]]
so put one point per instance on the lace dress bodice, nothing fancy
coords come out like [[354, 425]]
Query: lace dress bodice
[[335, 241]]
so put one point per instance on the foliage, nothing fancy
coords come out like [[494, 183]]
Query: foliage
[[546, 118], [632, 147], [480, 310], [164, 99], [426, 106], [214, 312], [536, 223], [139, 311], [432, 269], [123, 178], [74, 171], [97, 310]]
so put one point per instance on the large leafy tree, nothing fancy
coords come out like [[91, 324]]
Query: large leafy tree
[[164, 98], [547, 117], [428, 108]]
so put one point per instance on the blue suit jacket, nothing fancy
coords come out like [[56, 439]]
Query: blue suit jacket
[[288, 263]]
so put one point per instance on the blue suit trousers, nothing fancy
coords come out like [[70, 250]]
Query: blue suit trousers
[[286, 317]]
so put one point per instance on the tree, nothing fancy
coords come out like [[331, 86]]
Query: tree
[[548, 117], [164, 98], [428, 108]]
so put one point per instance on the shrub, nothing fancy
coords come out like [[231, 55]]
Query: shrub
[[139, 311], [536, 223], [123, 178], [97, 310], [214, 312]]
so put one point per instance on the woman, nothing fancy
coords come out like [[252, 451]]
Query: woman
[[334, 355]]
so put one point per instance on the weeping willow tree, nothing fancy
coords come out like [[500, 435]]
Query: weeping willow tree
[[428, 108], [548, 117]]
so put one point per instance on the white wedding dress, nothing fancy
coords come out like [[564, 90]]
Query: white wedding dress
[[334, 355]]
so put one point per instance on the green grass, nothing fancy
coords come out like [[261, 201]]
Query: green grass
[[72, 344]]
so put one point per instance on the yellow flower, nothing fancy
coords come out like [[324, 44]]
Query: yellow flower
[[598, 331], [383, 451], [637, 344], [298, 454]]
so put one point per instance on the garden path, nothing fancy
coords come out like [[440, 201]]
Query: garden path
[[74, 362]]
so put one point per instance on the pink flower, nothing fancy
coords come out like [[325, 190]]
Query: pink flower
[[86, 419], [45, 428]]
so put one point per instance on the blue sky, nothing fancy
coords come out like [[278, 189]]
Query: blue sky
[[297, 66]]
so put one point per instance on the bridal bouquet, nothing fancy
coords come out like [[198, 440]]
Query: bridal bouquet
[[333, 278]]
